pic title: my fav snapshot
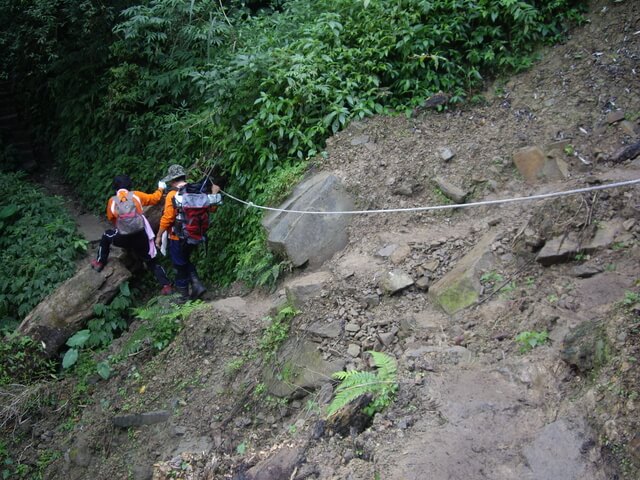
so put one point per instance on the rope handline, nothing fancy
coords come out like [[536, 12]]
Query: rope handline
[[440, 207]]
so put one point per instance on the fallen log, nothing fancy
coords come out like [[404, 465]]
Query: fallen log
[[66, 310]]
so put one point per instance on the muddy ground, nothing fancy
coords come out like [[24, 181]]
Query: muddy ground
[[470, 404]]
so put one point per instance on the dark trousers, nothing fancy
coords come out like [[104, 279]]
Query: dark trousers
[[180, 253], [138, 243]]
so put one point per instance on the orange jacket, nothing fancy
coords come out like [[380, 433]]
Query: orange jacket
[[141, 199], [169, 215]]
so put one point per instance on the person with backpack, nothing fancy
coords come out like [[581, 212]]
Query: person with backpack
[[132, 230], [185, 220]]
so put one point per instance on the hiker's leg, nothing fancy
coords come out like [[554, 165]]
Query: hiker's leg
[[197, 288], [139, 243], [105, 245], [158, 271], [180, 259]]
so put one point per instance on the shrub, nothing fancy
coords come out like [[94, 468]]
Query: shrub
[[39, 245]]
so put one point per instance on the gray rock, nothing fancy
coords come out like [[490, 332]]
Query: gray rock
[[395, 281], [302, 289], [559, 249], [360, 140], [557, 452], [352, 327], [387, 338], [450, 190], [614, 116], [400, 254], [303, 369], [138, 419], [387, 250], [311, 238], [461, 287], [565, 247], [404, 189], [629, 128], [534, 165], [586, 347], [423, 283], [585, 271], [353, 350], [629, 224], [446, 153], [370, 300]]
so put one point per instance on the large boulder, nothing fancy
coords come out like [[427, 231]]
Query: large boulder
[[461, 287], [301, 368], [64, 312], [311, 239]]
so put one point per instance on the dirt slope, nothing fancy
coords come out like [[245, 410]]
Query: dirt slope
[[470, 404]]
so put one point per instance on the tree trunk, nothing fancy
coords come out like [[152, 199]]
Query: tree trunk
[[65, 311]]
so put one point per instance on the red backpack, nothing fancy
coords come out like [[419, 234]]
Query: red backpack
[[192, 220]]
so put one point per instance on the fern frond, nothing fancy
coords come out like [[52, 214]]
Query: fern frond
[[355, 379], [386, 364], [382, 385]]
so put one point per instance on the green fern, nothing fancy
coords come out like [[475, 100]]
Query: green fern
[[161, 321], [382, 385]]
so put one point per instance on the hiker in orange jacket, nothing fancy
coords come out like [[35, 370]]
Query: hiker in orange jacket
[[132, 230], [180, 250]]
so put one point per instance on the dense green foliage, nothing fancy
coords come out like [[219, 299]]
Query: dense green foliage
[[253, 93], [160, 322], [23, 361], [38, 247], [108, 321], [276, 332]]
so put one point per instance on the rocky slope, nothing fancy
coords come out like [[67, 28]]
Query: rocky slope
[[470, 403]]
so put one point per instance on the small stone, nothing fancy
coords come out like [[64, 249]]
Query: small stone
[[179, 430], [388, 337], [352, 327], [400, 254], [615, 116], [450, 190], [585, 271], [360, 140], [446, 154], [431, 266], [629, 128], [423, 283], [387, 250], [353, 350], [629, 224]]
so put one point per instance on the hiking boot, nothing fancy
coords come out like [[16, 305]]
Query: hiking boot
[[96, 265], [197, 288], [166, 290], [184, 294]]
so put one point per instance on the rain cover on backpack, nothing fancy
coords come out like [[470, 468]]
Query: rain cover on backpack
[[192, 220], [128, 217]]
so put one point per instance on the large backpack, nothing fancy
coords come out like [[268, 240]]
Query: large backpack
[[193, 205], [128, 215]]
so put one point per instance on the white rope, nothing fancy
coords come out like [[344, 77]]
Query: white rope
[[442, 207]]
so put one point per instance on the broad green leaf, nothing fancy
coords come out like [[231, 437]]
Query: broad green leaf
[[104, 370], [70, 358], [79, 338]]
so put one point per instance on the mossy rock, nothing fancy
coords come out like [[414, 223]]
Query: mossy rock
[[587, 346]]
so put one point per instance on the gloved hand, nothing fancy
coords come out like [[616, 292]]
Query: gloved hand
[[162, 185], [215, 199]]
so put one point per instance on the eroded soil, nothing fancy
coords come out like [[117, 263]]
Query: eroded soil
[[470, 404]]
